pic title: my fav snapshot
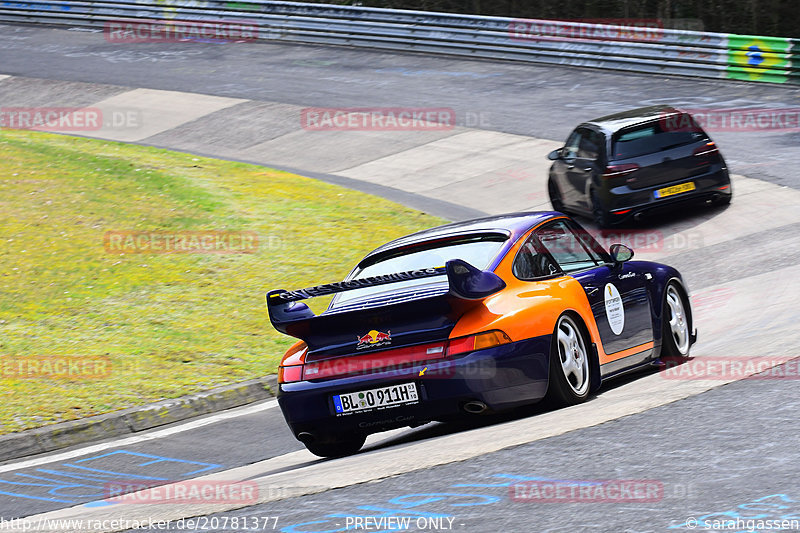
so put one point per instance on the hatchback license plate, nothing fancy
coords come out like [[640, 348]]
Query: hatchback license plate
[[405, 393], [675, 189]]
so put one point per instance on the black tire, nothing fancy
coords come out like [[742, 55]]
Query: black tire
[[336, 446], [563, 389], [599, 214], [673, 322], [555, 196]]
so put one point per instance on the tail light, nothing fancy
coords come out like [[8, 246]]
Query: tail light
[[289, 374], [481, 341], [708, 148], [291, 368], [615, 171]]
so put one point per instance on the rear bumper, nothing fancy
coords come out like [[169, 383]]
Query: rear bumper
[[624, 202], [501, 377]]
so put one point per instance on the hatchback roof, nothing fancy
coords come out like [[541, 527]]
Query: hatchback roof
[[618, 121]]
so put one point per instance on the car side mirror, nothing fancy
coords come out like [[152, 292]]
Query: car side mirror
[[620, 253], [554, 155]]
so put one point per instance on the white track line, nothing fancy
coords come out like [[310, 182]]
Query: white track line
[[213, 419]]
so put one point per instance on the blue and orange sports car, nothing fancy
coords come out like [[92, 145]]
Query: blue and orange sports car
[[468, 318]]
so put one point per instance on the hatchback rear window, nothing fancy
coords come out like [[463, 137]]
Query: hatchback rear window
[[651, 138]]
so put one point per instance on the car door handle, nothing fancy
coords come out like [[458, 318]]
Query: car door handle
[[590, 290], [587, 169], [570, 167]]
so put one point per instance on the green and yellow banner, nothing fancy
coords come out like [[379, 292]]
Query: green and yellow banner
[[754, 58]]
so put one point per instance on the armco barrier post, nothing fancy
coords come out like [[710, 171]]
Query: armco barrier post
[[794, 53]]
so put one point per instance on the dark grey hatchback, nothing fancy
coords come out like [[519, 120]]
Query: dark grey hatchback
[[618, 167]]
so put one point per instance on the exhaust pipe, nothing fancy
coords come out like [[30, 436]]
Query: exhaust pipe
[[306, 437], [475, 407], [638, 216]]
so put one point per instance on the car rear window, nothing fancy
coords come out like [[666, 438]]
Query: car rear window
[[652, 138], [479, 251]]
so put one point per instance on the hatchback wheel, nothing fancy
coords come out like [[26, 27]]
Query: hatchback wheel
[[599, 214], [555, 196]]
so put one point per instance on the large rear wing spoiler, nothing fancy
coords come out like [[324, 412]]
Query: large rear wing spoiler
[[464, 280]]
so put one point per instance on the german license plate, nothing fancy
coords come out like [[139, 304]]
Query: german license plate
[[381, 398], [675, 189]]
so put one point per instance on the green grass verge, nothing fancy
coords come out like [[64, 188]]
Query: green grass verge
[[170, 324]]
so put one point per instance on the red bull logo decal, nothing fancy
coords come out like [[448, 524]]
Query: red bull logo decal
[[373, 339]]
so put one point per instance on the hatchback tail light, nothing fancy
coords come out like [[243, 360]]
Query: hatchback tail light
[[708, 148], [615, 171]]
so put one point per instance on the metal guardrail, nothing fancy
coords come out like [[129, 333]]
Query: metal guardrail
[[627, 48]]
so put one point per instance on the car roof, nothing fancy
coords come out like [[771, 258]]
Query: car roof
[[624, 119], [512, 225]]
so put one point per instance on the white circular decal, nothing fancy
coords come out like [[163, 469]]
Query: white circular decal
[[614, 309]]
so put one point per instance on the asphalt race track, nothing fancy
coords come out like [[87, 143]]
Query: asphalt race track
[[714, 449]]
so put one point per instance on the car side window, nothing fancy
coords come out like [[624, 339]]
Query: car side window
[[533, 261], [593, 248], [572, 146], [591, 145], [565, 246]]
